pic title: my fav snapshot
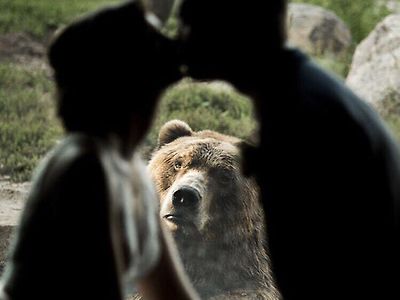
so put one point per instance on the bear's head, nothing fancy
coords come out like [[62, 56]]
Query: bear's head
[[212, 210], [202, 190]]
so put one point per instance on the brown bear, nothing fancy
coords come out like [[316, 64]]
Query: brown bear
[[213, 212]]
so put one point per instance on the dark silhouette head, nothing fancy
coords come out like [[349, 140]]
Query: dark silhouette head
[[110, 68], [225, 38]]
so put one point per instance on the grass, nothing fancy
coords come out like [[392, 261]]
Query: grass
[[205, 106], [28, 127], [41, 17]]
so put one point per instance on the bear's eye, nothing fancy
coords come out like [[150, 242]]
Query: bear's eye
[[178, 165]]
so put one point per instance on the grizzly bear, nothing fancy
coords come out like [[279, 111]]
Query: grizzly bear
[[213, 212]]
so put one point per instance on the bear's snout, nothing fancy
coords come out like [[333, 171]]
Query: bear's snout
[[186, 197], [183, 206]]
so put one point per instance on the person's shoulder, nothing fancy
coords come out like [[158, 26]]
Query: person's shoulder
[[72, 166], [322, 89], [313, 81], [74, 156], [326, 95]]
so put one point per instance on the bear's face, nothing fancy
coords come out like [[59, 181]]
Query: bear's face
[[198, 178]]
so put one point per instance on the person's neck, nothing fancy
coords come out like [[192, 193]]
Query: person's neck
[[124, 143]]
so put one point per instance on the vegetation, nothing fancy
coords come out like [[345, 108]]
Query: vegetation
[[41, 17], [27, 124], [213, 106]]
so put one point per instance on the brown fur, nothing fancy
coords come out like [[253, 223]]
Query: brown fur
[[220, 237]]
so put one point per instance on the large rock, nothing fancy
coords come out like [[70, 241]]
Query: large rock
[[316, 30], [375, 70]]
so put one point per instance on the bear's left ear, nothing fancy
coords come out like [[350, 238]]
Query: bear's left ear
[[172, 130]]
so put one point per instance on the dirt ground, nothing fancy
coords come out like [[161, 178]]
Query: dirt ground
[[12, 199], [22, 49]]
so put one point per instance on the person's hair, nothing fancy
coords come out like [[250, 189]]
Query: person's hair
[[106, 67], [255, 17]]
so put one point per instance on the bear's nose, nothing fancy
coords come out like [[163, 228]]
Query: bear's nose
[[185, 197]]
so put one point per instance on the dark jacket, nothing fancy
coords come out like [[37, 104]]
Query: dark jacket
[[329, 173]]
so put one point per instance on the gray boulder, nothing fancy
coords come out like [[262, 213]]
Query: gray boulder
[[375, 71], [316, 30]]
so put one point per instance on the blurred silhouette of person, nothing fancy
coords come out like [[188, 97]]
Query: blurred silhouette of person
[[90, 227], [328, 169]]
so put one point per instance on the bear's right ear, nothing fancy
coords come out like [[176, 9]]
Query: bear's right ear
[[172, 130]]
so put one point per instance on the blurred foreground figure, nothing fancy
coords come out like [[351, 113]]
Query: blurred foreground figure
[[90, 227], [328, 169]]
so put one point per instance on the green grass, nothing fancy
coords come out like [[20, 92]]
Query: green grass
[[205, 106], [28, 127], [41, 17]]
